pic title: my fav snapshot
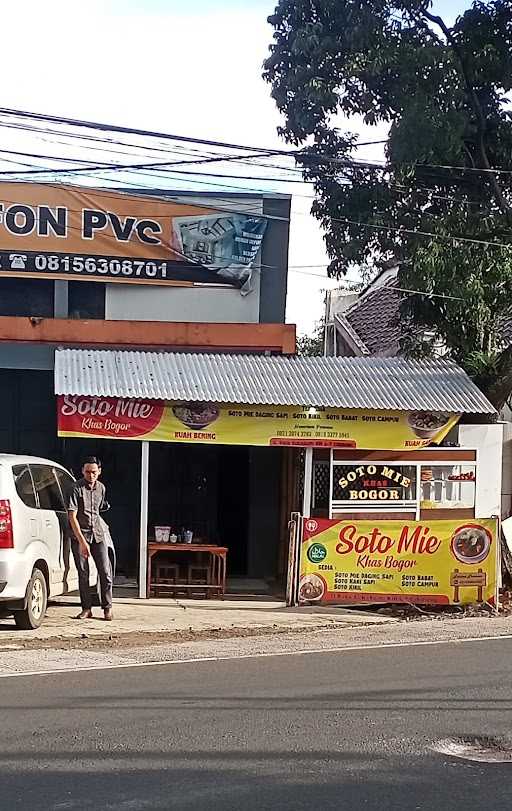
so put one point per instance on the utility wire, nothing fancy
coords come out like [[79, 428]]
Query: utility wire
[[126, 168], [168, 168], [171, 195], [164, 167], [301, 154], [145, 133], [250, 159], [424, 233], [121, 167], [117, 166], [415, 232]]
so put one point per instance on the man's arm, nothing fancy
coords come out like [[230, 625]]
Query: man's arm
[[77, 532], [104, 506], [75, 526]]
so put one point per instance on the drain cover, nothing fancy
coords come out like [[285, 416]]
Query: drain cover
[[480, 748]]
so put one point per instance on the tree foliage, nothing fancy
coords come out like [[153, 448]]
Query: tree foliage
[[434, 204], [312, 345]]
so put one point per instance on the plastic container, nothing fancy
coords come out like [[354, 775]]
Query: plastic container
[[162, 534]]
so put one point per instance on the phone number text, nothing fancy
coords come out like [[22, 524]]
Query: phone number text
[[96, 265]]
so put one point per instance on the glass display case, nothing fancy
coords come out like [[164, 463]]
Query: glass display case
[[397, 488], [447, 486]]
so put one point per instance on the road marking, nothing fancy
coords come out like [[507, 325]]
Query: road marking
[[306, 652]]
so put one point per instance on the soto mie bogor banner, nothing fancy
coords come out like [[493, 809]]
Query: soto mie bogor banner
[[436, 562], [207, 423]]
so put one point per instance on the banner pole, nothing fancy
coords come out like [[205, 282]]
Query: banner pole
[[144, 498], [308, 479]]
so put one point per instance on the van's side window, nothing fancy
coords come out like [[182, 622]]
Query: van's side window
[[24, 485], [66, 483], [47, 488]]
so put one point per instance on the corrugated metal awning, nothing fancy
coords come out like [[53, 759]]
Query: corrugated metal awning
[[364, 382]]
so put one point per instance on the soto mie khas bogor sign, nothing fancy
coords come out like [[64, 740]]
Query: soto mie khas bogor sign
[[436, 562], [207, 423], [372, 482], [66, 232]]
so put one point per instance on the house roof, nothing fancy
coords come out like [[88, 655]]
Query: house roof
[[506, 329], [373, 323], [390, 384], [374, 318]]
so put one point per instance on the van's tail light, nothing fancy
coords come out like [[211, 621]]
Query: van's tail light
[[6, 536]]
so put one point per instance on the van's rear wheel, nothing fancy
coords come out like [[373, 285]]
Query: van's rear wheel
[[32, 616]]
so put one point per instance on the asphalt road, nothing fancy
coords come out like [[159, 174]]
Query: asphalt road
[[340, 730]]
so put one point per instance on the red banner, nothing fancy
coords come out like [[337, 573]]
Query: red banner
[[108, 417]]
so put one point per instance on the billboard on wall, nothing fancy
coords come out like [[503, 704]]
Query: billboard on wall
[[71, 232], [373, 561], [208, 423]]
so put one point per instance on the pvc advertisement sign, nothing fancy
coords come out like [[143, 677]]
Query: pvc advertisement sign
[[72, 232]]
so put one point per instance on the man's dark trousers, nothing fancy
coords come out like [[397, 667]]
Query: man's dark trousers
[[99, 553]]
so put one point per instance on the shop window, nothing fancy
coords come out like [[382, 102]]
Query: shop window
[[448, 486], [47, 488], [24, 485], [373, 486], [27, 297], [86, 299], [321, 483]]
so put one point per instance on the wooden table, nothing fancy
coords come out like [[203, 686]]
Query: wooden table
[[217, 585]]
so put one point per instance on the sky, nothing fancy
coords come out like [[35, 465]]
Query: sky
[[190, 68]]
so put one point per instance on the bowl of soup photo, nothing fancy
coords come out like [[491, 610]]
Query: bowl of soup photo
[[311, 588], [471, 543], [196, 416], [426, 424]]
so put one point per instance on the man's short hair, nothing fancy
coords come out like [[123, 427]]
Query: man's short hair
[[91, 460]]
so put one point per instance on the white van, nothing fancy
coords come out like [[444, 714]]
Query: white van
[[36, 561]]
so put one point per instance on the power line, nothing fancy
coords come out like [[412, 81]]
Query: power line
[[120, 167], [127, 167], [419, 232], [425, 293], [43, 157], [416, 232], [170, 195], [346, 163], [164, 167], [117, 167], [96, 125], [424, 233], [168, 167], [146, 133]]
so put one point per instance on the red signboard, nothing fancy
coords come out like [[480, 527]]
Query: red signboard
[[108, 417]]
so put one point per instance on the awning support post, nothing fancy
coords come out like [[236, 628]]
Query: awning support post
[[144, 493], [308, 482]]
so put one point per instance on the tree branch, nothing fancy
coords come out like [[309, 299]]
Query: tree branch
[[481, 121]]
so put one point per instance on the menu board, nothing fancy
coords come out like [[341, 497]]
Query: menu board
[[437, 562]]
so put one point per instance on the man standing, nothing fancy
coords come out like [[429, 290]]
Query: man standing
[[86, 502]]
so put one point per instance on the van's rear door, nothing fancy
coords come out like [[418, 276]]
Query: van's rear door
[[53, 520]]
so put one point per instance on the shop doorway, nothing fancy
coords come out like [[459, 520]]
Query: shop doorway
[[233, 507], [203, 489]]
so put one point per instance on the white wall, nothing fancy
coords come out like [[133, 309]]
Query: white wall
[[488, 441], [138, 302], [506, 486]]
